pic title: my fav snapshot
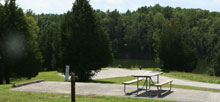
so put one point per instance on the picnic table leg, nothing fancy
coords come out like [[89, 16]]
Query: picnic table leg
[[159, 90], [137, 83], [125, 88], [170, 86], [146, 83], [150, 81], [157, 78]]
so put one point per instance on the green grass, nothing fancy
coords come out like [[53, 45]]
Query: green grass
[[186, 76], [49, 76], [194, 77], [120, 80], [46, 76], [132, 63], [11, 96], [201, 68]]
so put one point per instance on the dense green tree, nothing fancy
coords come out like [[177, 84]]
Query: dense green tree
[[113, 22], [34, 57], [168, 12], [173, 52], [198, 37], [213, 49], [2, 28], [29, 12], [137, 38], [49, 39], [46, 45], [55, 46], [157, 8], [158, 20], [14, 40], [20, 53], [86, 46], [216, 61]]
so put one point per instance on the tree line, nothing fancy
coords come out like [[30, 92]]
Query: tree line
[[32, 43], [84, 38], [176, 38], [20, 55]]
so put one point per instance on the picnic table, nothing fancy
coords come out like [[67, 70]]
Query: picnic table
[[148, 77]]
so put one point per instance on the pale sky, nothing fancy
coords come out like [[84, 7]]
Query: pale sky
[[62, 6]]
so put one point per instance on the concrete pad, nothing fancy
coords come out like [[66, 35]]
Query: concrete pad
[[119, 72], [179, 95]]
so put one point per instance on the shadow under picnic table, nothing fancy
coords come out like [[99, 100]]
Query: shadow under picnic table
[[150, 93]]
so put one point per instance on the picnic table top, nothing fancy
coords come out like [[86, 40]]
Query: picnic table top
[[147, 74]]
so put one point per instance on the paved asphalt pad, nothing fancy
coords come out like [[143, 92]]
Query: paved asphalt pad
[[179, 95], [118, 72]]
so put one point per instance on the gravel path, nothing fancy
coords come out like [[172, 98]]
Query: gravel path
[[117, 72], [179, 95]]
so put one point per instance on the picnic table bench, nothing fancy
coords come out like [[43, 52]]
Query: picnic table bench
[[130, 82], [159, 86]]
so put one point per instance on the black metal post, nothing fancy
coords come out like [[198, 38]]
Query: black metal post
[[73, 97]]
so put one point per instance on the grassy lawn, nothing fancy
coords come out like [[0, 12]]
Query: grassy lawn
[[12, 96], [47, 76], [151, 65], [186, 76], [194, 77], [119, 80]]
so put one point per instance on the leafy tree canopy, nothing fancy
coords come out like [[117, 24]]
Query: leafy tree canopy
[[86, 46]]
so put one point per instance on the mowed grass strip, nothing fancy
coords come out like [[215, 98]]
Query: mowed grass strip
[[120, 80], [186, 76], [12, 96], [194, 77], [46, 76]]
